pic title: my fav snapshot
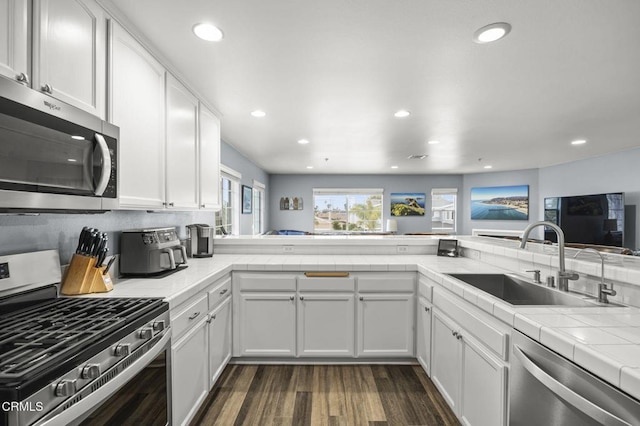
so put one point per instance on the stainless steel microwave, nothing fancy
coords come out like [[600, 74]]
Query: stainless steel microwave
[[53, 156]]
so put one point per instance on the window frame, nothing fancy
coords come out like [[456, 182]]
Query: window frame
[[234, 178], [258, 201], [445, 191], [348, 213]]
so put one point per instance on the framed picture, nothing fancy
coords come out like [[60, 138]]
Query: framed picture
[[407, 204], [247, 196], [500, 203]]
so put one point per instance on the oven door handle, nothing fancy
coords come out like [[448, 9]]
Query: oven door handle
[[106, 165], [566, 394], [78, 411]]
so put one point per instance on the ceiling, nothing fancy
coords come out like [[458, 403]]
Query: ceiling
[[335, 71]]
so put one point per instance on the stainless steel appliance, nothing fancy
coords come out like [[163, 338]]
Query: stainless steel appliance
[[547, 389], [201, 240], [54, 156], [67, 361], [151, 251]]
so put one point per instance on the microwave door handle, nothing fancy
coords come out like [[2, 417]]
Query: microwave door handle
[[106, 165], [172, 259], [569, 396]]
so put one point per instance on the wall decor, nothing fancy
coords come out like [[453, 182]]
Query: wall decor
[[247, 197], [407, 204], [500, 203], [290, 203]]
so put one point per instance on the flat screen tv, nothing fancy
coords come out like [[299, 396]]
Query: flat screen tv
[[587, 219]]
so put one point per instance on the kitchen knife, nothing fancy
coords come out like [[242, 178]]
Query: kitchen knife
[[81, 239], [106, 269], [102, 256]]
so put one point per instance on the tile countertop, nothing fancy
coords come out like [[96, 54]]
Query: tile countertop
[[603, 340]]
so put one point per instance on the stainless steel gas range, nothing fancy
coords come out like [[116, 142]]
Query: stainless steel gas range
[[78, 360]]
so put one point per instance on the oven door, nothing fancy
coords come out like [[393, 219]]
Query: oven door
[[139, 395]]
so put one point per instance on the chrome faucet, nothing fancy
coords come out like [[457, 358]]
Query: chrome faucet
[[563, 275], [603, 291]]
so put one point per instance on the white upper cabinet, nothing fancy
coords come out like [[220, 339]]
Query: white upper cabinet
[[209, 160], [14, 40], [70, 52], [138, 107], [182, 146]]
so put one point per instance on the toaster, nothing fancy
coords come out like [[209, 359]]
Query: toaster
[[150, 251]]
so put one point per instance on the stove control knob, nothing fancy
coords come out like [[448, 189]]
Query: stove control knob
[[64, 388], [122, 349], [145, 333], [158, 325], [90, 371]]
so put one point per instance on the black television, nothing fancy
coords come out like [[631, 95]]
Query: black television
[[587, 219]]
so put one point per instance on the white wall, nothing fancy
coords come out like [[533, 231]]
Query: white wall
[[302, 186]]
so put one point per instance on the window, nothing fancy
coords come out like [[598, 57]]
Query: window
[[443, 209], [347, 210], [227, 219], [258, 207]]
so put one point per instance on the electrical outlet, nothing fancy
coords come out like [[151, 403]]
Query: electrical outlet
[[403, 249], [287, 249]]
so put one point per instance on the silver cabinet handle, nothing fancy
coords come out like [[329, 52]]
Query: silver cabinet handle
[[361, 298], [426, 309], [459, 336], [291, 297], [47, 88], [202, 206], [23, 78], [301, 297], [578, 401], [194, 316], [106, 165], [170, 204], [454, 334], [223, 291]]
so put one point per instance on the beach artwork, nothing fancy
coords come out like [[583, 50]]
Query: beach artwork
[[500, 203], [407, 204]]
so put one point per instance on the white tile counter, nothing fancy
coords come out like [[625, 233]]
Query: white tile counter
[[605, 341]]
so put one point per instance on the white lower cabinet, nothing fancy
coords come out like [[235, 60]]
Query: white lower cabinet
[[219, 340], [326, 324], [267, 324], [189, 373], [423, 334], [385, 325], [469, 377]]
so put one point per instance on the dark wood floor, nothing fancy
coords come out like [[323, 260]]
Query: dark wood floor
[[372, 395]]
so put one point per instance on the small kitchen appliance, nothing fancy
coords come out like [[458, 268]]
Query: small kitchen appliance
[[151, 252], [201, 240]]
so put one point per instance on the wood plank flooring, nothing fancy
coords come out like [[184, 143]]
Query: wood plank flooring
[[317, 395]]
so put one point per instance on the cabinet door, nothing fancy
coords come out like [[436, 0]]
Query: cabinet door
[[137, 107], [219, 340], [189, 378], [267, 324], [445, 361], [182, 166], [484, 386], [386, 325], [326, 324], [423, 335], [70, 52], [209, 160], [14, 40]]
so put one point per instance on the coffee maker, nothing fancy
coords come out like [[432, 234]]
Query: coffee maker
[[200, 240]]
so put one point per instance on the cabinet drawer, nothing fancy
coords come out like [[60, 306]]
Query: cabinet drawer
[[386, 283], [189, 316], [219, 292], [265, 282], [488, 330], [326, 284], [425, 288]]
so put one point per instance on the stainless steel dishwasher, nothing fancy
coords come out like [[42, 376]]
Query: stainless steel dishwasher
[[547, 389]]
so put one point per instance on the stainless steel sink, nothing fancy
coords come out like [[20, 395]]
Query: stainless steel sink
[[517, 291]]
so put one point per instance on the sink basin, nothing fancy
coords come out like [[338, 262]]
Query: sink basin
[[517, 291]]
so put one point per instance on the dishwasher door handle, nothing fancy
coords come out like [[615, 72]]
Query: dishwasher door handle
[[569, 396]]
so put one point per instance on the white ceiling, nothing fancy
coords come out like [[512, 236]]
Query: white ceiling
[[335, 71]]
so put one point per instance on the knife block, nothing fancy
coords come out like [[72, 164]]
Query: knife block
[[82, 277]]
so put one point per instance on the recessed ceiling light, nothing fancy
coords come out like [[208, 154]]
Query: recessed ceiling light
[[303, 141], [491, 32], [309, 167], [417, 156], [402, 113], [71, 160], [394, 167], [258, 113], [433, 142], [77, 137], [488, 167], [579, 142], [208, 32]]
